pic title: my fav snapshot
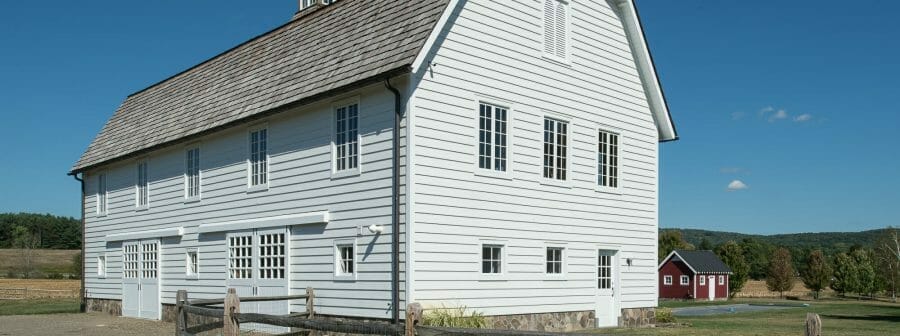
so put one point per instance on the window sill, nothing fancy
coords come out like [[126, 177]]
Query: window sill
[[335, 175], [608, 190], [345, 278], [566, 62], [258, 189], [503, 175], [189, 200], [142, 208], [194, 277], [556, 183]]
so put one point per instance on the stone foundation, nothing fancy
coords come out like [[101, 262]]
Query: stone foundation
[[637, 317], [111, 307], [550, 322]]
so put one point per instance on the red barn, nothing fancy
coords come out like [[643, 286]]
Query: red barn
[[696, 275]]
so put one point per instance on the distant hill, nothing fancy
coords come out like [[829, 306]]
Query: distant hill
[[827, 241]]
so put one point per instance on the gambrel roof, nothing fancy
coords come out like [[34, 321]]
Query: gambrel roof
[[700, 262], [326, 50]]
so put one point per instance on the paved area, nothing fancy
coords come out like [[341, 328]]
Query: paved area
[[94, 324], [724, 309]]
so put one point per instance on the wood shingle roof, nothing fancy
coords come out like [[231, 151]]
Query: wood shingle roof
[[331, 48]]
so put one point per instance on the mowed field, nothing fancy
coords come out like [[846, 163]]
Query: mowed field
[[45, 261], [757, 289]]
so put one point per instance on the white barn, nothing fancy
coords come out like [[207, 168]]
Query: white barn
[[499, 155]]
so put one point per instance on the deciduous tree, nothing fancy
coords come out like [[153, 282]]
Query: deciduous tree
[[670, 240], [732, 255], [817, 274], [780, 277], [887, 261]]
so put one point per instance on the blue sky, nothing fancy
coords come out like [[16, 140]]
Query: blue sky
[[797, 100]]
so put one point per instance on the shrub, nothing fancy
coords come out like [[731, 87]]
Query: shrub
[[55, 276], [454, 317], [664, 315]]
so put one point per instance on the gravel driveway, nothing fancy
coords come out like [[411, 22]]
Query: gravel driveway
[[95, 324]]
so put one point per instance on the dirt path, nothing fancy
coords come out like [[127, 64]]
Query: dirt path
[[80, 324]]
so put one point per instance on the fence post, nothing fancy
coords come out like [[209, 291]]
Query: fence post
[[180, 318], [232, 305], [413, 315], [813, 325], [310, 306]]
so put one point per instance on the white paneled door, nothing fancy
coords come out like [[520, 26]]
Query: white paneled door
[[140, 279], [257, 266], [606, 289]]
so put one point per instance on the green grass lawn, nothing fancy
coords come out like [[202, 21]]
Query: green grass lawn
[[840, 318], [39, 306]]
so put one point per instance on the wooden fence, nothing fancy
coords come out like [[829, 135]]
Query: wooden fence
[[230, 318]]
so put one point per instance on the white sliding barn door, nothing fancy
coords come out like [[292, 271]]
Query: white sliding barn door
[[140, 279], [257, 266]]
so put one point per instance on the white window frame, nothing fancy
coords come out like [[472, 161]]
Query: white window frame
[[142, 201], [566, 59], [195, 274], [102, 269], [188, 198], [304, 4], [667, 280], [102, 200], [348, 172], [504, 260], [619, 151], [684, 280], [721, 280], [339, 275], [702, 281], [562, 260], [492, 172], [567, 182], [265, 185]]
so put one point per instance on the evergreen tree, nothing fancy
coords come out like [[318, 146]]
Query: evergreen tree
[[780, 277], [817, 274], [732, 255]]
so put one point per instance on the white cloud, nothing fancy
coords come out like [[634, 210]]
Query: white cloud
[[780, 114], [737, 185], [765, 110], [803, 117], [737, 115]]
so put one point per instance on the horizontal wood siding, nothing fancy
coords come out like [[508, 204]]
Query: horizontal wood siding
[[300, 182], [494, 53]]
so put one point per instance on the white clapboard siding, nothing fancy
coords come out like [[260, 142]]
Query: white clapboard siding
[[494, 52], [299, 181]]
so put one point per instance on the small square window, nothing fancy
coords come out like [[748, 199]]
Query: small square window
[[345, 260], [555, 260], [492, 259], [192, 260], [703, 281], [685, 280], [667, 280], [101, 266], [721, 280]]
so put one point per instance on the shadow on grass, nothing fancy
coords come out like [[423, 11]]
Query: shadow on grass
[[880, 318]]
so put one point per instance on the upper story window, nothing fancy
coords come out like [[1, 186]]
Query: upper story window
[[556, 134], [102, 206], [259, 157], [346, 138], [307, 3], [143, 185], [492, 137], [556, 28], [554, 260], [608, 160], [192, 173]]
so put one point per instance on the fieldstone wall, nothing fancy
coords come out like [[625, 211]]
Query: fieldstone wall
[[550, 322], [111, 307], [637, 317]]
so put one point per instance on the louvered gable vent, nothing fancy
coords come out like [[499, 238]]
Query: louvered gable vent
[[556, 28]]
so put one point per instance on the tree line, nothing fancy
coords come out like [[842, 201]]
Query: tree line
[[39, 231], [862, 270]]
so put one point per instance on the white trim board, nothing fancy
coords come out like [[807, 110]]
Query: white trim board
[[265, 222], [159, 233]]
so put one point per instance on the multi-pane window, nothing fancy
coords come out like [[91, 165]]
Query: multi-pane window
[[702, 281], [554, 260], [130, 261], [271, 256], [492, 137], [143, 185], [345, 259], [149, 260], [259, 167], [685, 280], [240, 257], [101, 194], [346, 137], [556, 134], [307, 3], [192, 262], [101, 265], [608, 159], [492, 259], [192, 173], [604, 271], [556, 27], [667, 280]]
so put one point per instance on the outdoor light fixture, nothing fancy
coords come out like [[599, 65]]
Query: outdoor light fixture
[[376, 229], [628, 261]]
